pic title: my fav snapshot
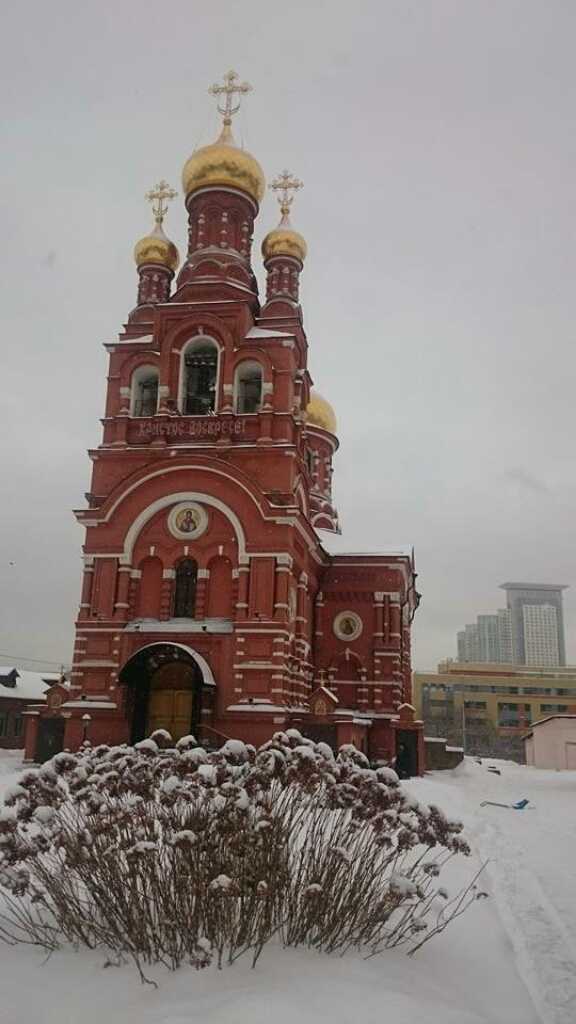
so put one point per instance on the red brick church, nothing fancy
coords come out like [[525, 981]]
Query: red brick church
[[218, 596]]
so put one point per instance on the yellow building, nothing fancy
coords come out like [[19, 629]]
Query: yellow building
[[486, 708]]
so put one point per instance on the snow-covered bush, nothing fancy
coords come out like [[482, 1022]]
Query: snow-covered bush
[[172, 854]]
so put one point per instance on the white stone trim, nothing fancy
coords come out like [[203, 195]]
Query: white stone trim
[[84, 630], [254, 664], [201, 661], [269, 631], [171, 499], [95, 663]]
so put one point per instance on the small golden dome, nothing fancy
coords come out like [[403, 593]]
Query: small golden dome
[[319, 413], [284, 241], [224, 164], [156, 248]]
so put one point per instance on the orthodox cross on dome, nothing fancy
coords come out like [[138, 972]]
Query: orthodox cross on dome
[[231, 88], [159, 196], [285, 184]]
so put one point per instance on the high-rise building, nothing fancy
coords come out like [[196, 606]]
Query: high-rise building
[[218, 598], [537, 622], [487, 640], [468, 643], [529, 631]]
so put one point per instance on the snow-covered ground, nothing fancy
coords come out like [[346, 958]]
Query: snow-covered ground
[[510, 960]]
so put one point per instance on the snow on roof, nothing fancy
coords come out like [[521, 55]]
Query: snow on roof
[[549, 718], [134, 341], [258, 706], [337, 544], [265, 332], [179, 626], [88, 704], [29, 685]]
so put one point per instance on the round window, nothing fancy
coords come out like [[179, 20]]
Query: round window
[[347, 626]]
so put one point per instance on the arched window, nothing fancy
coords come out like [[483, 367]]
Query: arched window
[[144, 391], [248, 387], [185, 589], [200, 374]]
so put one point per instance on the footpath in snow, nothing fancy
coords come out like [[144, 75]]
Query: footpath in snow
[[530, 872], [509, 960]]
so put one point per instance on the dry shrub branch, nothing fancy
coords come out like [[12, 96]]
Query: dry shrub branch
[[169, 854]]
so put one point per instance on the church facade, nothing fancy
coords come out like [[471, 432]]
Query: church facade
[[218, 596]]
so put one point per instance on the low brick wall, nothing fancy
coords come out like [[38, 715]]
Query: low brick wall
[[440, 756]]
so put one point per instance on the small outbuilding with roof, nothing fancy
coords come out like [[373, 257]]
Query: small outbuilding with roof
[[19, 691], [551, 743]]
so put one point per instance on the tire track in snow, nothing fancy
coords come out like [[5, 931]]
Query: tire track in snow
[[545, 951]]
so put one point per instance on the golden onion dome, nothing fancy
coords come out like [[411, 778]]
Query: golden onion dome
[[284, 241], [224, 164], [319, 413], [156, 248]]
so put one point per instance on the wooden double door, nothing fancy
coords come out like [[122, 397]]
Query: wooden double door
[[173, 700]]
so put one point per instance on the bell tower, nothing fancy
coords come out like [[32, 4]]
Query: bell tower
[[223, 186], [209, 594]]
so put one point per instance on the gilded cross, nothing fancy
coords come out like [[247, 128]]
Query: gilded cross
[[285, 184], [231, 88], [158, 196]]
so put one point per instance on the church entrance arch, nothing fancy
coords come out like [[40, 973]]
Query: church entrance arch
[[166, 686]]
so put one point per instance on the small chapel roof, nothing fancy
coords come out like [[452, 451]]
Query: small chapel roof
[[340, 544]]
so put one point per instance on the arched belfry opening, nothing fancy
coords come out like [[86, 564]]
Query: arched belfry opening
[[165, 687]]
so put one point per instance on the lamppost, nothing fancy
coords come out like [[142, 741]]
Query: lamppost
[[86, 719]]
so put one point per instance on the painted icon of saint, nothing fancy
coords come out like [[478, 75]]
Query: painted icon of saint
[[187, 521]]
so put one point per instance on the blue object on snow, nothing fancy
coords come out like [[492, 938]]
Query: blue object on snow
[[518, 806]]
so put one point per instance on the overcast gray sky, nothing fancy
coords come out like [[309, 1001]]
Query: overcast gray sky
[[436, 141]]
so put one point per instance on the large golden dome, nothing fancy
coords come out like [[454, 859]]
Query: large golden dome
[[156, 248], [284, 241], [319, 413], [224, 164]]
